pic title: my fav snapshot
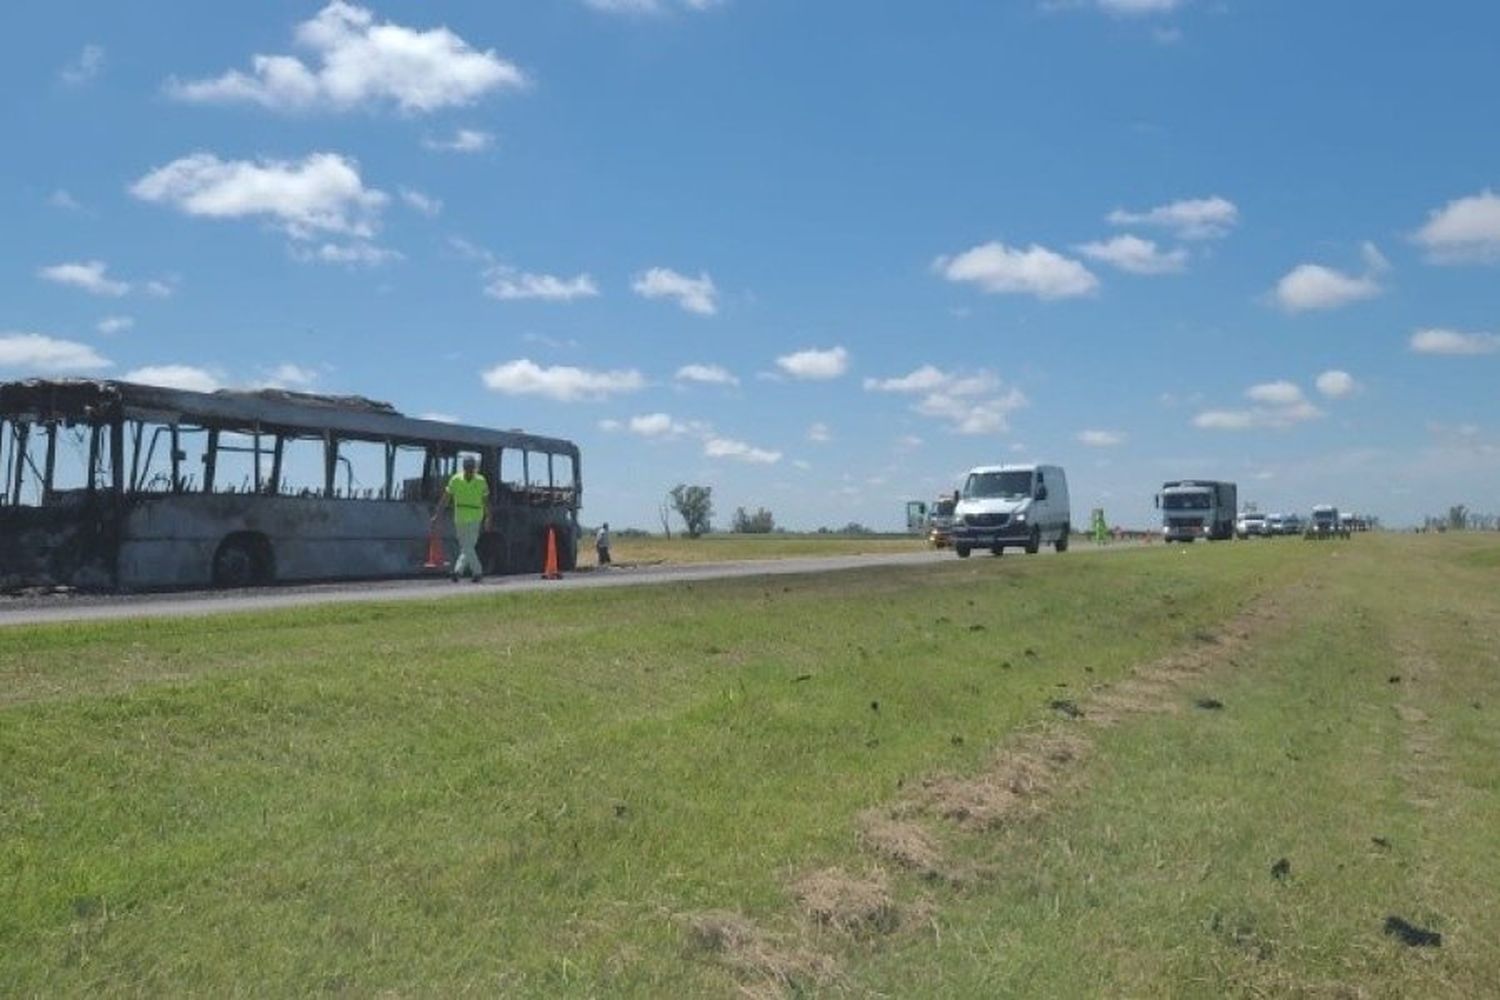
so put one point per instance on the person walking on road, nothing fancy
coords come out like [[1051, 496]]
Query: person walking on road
[[601, 544], [469, 496]]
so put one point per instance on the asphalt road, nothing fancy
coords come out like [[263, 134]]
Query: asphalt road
[[46, 609]]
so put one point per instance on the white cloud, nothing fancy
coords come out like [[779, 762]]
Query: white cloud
[[707, 375], [971, 403], [175, 377], [357, 252], [1280, 404], [818, 433], [360, 61], [290, 376], [1280, 393], [508, 284], [923, 379], [89, 276], [719, 447], [1337, 384], [62, 199], [1138, 256], [35, 353], [89, 64], [1313, 286], [464, 140], [442, 418], [1466, 230], [1101, 439], [610, 425], [114, 324], [815, 364], [1225, 420], [1189, 219], [659, 425], [1133, 7], [564, 383], [160, 289], [997, 268], [322, 194], [424, 203], [696, 295], [1436, 341]]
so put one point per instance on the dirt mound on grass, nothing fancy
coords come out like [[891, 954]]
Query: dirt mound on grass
[[767, 966], [1009, 788], [852, 904]]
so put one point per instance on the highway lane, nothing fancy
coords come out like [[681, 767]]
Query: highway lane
[[82, 608]]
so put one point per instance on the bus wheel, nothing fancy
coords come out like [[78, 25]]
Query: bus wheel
[[997, 550], [961, 549], [242, 560]]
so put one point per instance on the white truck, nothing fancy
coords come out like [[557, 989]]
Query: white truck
[[1197, 508], [1018, 506]]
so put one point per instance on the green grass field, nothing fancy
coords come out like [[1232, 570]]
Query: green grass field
[[727, 547], [980, 778]]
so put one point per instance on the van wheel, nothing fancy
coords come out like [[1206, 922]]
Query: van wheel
[[962, 550], [1034, 541], [1061, 545]]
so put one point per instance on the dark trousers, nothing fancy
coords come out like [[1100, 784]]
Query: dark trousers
[[603, 551]]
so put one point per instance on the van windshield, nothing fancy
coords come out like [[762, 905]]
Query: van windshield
[[1002, 485]]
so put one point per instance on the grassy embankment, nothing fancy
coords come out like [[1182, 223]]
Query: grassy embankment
[[727, 547], [870, 782]]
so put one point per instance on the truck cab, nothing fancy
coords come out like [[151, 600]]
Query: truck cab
[[940, 520], [1197, 508], [1018, 506]]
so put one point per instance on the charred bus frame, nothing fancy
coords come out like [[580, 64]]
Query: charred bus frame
[[112, 485]]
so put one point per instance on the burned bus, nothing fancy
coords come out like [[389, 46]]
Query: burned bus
[[116, 486]]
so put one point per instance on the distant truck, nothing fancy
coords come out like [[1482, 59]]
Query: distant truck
[[940, 520], [1326, 523], [1197, 508], [1022, 506]]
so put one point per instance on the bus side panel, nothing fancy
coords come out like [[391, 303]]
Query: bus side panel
[[171, 541], [64, 546]]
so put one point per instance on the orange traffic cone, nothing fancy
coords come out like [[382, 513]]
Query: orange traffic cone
[[549, 570], [435, 558]]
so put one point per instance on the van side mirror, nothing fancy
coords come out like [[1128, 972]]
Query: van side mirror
[[1157, 500], [1041, 492]]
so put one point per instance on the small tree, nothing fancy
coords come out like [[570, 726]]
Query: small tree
[[759, 523], [696, 505], [1458, 518]]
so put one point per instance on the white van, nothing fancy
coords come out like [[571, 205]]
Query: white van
[[1023, 506]]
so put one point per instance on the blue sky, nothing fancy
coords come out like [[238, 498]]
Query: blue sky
[[820, 256]]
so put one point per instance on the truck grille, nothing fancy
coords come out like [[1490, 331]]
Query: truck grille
[[986, 520]]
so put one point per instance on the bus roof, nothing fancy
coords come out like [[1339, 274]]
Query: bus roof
[[246, 410]]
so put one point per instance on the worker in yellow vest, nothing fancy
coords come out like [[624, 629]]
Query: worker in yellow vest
[[469, 496]]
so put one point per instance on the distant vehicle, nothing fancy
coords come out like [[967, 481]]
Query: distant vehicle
[[940, 520], [1197, 508], [1326, 523], [1275, 524], [115, 486], [1018, 506], [1292, 524], [1250, 524]]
